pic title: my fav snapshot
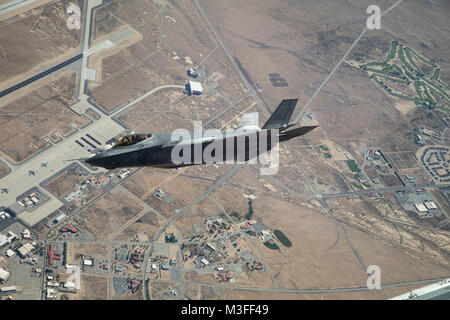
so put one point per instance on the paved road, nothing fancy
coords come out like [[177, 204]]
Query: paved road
[[85, 44], [40, 75]]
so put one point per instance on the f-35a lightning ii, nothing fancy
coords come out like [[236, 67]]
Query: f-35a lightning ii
[[158, 150]]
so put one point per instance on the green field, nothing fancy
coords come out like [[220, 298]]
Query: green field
[[283, 239], [271, 245], [324, 147], [353, 166], [402, 66], [357, 186]]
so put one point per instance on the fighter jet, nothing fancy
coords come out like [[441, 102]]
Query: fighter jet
[[157, 150], [4, 190], [31, 173]]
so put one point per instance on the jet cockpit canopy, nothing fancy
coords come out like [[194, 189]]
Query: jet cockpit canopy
[[132, 139]]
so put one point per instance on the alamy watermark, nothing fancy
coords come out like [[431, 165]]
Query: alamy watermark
[[214, 146], [374, 20], [374, 279], [74, 20]]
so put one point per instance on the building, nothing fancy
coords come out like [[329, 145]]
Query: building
[[60, 218], [123, 173], [4, 215], [88, 262], [7, 239], [4, 275], [12, 236], [8, 289], [25, 250], [195, 87], [69, 228], [420, 207], [51, 293], [204, 261], [3, 240], [10, 253], [192, 72], [70, 285], [211, 246], [26, 234], [52, 284], [430, 205], [53, 255]]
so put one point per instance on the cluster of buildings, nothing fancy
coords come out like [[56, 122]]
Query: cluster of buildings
[[137, 257], [436, 161], [425, 206], [33, 199], [419, 201], [254, 228], [223, 275], [255, 265], [29, 202], [160, 262], [54, 285], [217, 225], [77, 193], [21, 246], [223, 249]]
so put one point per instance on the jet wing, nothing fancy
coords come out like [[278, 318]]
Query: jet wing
[[280, 118]]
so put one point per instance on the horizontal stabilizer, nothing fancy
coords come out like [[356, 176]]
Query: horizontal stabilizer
[[280, 118], [286, 135]]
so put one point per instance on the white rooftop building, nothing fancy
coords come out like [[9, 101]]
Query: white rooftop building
[[88, 262], [10, 253], [26, 234], [204, 261], [4, 275], [195, 87], [25, 249], [430, 205], [6, 239], [70, 285], [51, 293], [420, 207]]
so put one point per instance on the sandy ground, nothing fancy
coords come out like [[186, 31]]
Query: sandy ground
[[75, 251], [109, 214]]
